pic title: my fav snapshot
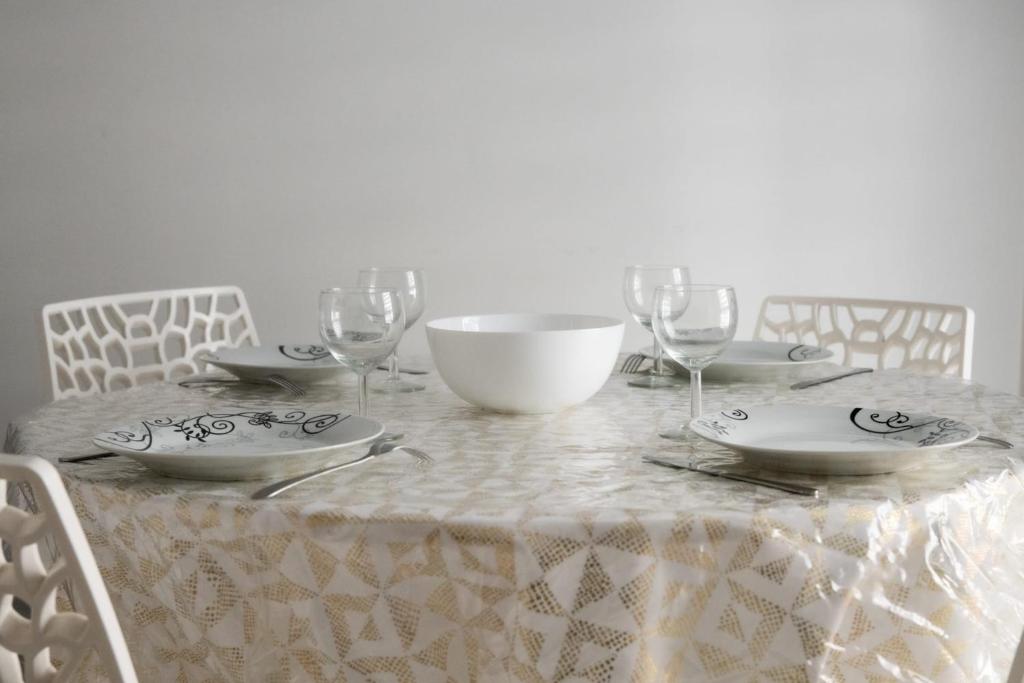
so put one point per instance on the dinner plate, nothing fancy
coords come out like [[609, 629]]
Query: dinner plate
[[302, 363], [831, 440], [235, 443], [765, 354], [754, 359]]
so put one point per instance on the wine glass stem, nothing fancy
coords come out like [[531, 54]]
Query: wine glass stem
[[695, 403], [364, 396], [393, 366], [659, 364]]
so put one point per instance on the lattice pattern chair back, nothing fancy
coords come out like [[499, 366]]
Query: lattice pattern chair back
[[54, 644], [114, 342], [927, 338]]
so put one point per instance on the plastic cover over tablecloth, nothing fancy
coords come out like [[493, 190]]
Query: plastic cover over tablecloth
[[541, 548]]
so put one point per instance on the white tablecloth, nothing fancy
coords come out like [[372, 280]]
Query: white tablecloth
[[541, 548]]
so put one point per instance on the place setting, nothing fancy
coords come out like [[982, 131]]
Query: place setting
[[694, 326], [360, 329], [740, 360], [294, 366]]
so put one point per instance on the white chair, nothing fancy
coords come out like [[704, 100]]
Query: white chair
[[928, 338], [51, 644], [114, 342]]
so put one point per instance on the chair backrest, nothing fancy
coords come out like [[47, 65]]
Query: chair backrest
[[928, 338], [51, 642], [114, 342]]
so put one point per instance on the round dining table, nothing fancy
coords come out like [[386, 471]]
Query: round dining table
[[544, 548]]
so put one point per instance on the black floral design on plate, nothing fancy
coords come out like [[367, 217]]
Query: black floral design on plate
[[202, 428], [262, 420], [305, 352], [804, 352], [713, 425], [940, 430], [719, 427]]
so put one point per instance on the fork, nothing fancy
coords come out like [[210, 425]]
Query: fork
[[379, 448], [632, 364], [287, 384], [278, 380], [993, 440]]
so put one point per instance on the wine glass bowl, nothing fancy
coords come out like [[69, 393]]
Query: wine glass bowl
[[408, 282], [694, 323], [361, 326], [410, 285], [638, 291]]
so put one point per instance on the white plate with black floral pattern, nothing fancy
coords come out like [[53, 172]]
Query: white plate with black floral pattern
[[831, 440], [235, 443], [303, 363], [765, 354]]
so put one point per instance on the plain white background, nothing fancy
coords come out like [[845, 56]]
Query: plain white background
[[522, 152]]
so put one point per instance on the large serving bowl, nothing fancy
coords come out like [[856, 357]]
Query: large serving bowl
[[525, 363]]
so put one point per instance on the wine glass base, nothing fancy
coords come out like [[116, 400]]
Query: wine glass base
[[680, 434], [654, 381], [401, 386]]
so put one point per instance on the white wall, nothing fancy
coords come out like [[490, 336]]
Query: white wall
[[522, 152]]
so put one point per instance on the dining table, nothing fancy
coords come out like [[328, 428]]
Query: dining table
[[544, 548]]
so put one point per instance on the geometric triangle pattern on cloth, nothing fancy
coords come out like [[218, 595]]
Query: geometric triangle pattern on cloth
[[542, 548]]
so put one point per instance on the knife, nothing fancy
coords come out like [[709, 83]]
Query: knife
[[757, 481], [832, 378]]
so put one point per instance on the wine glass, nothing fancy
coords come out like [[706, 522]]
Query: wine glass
[[638, 290], [694, 323], [408, 282], [361, 326]]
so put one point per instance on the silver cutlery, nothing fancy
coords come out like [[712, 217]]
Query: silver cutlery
[[407, 371], [200, 380], [757, 481], [83, 458], [278, 380], [831, 378], [993, 440], [379, 447], [287, 384], [632, 364]]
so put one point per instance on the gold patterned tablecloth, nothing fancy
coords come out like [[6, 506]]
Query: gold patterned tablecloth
[[541, 548]]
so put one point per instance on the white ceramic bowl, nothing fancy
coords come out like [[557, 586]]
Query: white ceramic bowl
[[525, 363]]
